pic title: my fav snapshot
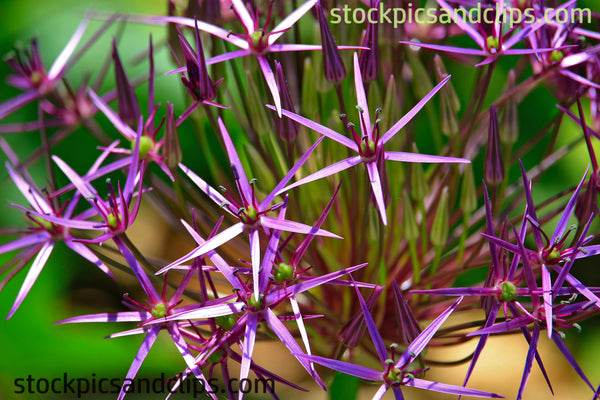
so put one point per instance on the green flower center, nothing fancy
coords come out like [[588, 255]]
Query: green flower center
[[556, 56], [508, 291], [112, 221], [248, 215], [47, 225], [367, 147], [554, 255], [36, 78], [225, 322], [283, 273], [160, 310], [258, 39], [395, 375], [146, 145], [492, 43], [256, 304]]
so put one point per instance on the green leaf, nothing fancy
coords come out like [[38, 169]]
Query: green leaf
[[344, 387]]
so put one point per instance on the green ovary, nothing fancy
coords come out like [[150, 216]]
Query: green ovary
[[283, 273], [146, 145], [159, 311], [508, 291]]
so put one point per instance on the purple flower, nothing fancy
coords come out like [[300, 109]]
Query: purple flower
[[250, 212], [32, 77], [257, 309], [158, 308], [41, 237], [255, 41], [395, 371], [116, 211], [370, 144], [493, 45]]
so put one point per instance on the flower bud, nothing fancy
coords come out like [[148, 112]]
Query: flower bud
[[407, 322], [369, 60], [494, 159], [409, 224], [449, 100], [439, 230], [418, 185], [172, 149], [129, 109], [509, 131], [468, 192], [335, 71], [287, 127]]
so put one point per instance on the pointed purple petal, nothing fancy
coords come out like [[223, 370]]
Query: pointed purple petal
[[59, 64], [372, 327], [30, 193], [290, 20], [206, 27], [220, 58], [418, 345], [126, 316], [567, 354], [567, 213], [248, 348], [345, 367], [89, 255], [286, 338], [255, 256], [214, 195], [448, 49], [451, 389], [327, 171], [529, 359], [361, 98], [25, 241], [139, 358], [271, 82], [32, 275], [244, 15], [422, 158], [236, 164], [377, 190], [271, 196], [210, 244], [291, 226], [112, 116], [407, 117], [330, 133]]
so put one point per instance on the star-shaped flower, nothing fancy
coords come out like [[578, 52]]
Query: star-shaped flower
[[370, 144], [250, 212]]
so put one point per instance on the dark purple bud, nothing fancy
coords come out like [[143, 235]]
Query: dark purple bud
[[198, 82], [369, 60], [494, 159], [129, 109], [172, 149], [288, 128], [353, 332], [335, 71], [407, 323]]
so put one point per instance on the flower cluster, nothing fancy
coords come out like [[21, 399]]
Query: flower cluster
[[314, 217]]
